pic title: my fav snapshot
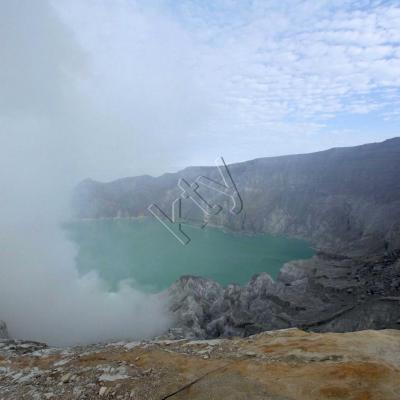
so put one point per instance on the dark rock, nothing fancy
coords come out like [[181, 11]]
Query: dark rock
[[321, 298], [3, 330]]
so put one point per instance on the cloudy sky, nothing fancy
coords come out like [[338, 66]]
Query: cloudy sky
[[136, 87]]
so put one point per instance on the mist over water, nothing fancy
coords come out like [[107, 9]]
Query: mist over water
[[145, 251], [42, 296], [45, 136]]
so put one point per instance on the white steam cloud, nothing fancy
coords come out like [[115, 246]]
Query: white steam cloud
[[44, 148]]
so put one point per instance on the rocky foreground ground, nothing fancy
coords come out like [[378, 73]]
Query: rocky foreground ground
[[327, 293], [277, 365]]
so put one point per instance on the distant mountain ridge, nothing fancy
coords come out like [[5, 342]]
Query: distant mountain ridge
[[343, 200]]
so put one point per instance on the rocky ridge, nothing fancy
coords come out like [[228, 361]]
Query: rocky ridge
[[279, 365], [345, 201], [327, 293]]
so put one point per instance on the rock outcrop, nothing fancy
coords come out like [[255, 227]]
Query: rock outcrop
[[326, 293], [3, 330], [280, 365]]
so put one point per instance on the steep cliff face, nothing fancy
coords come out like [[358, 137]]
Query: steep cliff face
[[344, 200], [281, 365]]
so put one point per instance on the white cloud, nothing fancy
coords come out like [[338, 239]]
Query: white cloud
[[46, 134], [237, 67]]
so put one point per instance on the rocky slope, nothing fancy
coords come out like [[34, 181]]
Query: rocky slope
[[327, 293], [280, 365], [344, 200]]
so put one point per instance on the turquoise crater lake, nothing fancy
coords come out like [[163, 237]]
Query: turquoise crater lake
[[145, 252]]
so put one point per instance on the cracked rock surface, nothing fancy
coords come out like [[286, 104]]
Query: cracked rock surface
[[327, 293], [278, 365]]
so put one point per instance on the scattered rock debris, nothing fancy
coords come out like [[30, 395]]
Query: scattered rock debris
[[276, 365]]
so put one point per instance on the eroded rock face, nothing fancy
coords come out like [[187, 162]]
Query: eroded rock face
[[326, 293], [3, 330], [343, 200], [279, 365]]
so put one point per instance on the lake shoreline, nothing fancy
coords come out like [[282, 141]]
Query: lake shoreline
[[141, 249], [208, 225]]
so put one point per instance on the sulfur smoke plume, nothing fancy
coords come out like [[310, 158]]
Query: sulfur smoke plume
[[48, 133]]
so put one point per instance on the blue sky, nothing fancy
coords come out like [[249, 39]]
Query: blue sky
[[166, 84]]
